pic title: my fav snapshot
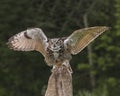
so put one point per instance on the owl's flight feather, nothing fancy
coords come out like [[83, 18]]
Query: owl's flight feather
[[35, 39], [28, 40], [79, 39]]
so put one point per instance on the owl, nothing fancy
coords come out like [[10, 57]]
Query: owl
[[57, 52]]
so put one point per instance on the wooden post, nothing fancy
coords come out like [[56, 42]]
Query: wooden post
[[60, 82]]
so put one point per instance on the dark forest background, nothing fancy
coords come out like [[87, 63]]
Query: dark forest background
[[26, 74]]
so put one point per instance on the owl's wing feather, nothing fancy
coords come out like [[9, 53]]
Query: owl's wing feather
[[79, 39], [28, 40]]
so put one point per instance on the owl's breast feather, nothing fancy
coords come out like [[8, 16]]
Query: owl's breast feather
[[56, 55]]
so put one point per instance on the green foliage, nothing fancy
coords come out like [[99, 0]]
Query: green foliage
[[101, 91]]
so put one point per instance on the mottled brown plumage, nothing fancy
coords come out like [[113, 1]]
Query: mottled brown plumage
[[57, 53]]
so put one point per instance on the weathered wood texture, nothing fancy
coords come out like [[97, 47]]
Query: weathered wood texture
[[60, 82]]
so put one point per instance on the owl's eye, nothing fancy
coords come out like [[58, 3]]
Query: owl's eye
[[59, 42]]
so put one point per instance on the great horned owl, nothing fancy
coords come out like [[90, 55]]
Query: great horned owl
[[57, 53]]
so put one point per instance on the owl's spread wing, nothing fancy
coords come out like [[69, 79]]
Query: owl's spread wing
[[28, 40], [79, 39]]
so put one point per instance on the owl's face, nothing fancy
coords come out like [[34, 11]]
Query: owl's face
[[55, 44]]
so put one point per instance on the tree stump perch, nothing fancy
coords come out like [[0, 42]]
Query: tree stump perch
[[60, 82]]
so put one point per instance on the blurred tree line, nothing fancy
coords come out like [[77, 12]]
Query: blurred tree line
[[26, 74]]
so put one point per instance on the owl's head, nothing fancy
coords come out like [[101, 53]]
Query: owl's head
[[55, 44]]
